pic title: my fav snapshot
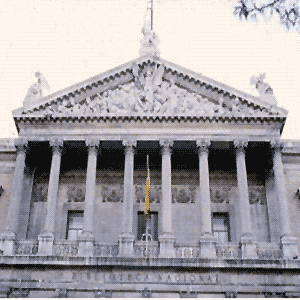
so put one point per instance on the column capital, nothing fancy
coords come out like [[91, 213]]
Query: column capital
[[166, 145], [21, 145], [277, 145], [240, 145], [56, 145], [203, 145], [93, 145], [129, 145]]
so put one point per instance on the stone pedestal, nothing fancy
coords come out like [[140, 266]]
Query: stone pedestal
[[126, 245], [207, 246], [166, 246], [7, 243], [289, 246], [248, 246], [86, 245], [45, 244]]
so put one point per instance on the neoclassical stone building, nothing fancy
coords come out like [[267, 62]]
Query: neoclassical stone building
[[223, 218]]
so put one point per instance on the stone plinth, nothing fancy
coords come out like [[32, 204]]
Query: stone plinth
[[86, 245], [166, 247], [289, 246], [7, 243], [126, 245], [207, 246], [45, 244], [248, 246]]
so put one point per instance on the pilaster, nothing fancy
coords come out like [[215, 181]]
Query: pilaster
[[7, 238], [289, 243]]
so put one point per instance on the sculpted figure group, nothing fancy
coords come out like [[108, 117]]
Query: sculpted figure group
[[149, 93]]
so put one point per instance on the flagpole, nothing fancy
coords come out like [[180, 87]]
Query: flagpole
[[151, 17]]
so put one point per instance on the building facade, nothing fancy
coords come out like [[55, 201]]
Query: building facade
[[223, 202]]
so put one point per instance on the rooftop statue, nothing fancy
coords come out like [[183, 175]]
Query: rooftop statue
[[35, 92], [264, 89], [150, 40]]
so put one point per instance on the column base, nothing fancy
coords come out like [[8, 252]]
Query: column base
[[166, 245], [208, 246], [248, 246], [45, 244], [8, 243], [126, 245], [289, 246], [86, 245]]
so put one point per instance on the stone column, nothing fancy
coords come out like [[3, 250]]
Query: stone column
[[248, 243], [7, 238], [86, 242], [47, 237], [166, 239], [288, 241], [127, 238], [207, 240]]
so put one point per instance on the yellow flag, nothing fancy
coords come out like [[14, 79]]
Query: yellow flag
[[147, 189]]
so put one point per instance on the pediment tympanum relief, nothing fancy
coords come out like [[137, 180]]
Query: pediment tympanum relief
[[148, 89]]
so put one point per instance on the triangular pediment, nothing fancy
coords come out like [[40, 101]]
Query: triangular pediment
[[149, 86]]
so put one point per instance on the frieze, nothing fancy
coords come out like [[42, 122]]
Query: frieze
[[76, 193], [112, 193]]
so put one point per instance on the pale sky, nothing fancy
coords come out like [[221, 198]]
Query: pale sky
[[72, 40]]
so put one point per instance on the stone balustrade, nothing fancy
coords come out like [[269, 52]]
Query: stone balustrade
[[106, 250], [26, 247], [149, 249], [65, 248], [227, 251], [268, 251], [187, 251]]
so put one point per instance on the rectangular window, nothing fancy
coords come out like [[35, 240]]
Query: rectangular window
[[75, 224], [220, 227], [147, 226]]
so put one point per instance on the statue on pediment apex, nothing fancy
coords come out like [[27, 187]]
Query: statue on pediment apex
[[264, 89], [35, 91]]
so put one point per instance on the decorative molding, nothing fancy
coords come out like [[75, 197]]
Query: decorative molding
[[112, 193], [93, 145]]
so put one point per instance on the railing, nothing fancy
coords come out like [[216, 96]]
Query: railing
[[146, 249], [268, 251], [187, 251], [26, 247], [65, 248], [106, 250], [226, 251]]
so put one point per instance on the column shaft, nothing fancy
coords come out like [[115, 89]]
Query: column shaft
[[53, 187], [205, 212], [281, 190], [243, 195], [166, 207], [17, 187], [128, 186], [88, 221]]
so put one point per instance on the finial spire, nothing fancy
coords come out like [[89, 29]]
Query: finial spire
[[150, 39]]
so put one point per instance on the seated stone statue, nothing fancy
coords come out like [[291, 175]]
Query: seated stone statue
[[35, 92]]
